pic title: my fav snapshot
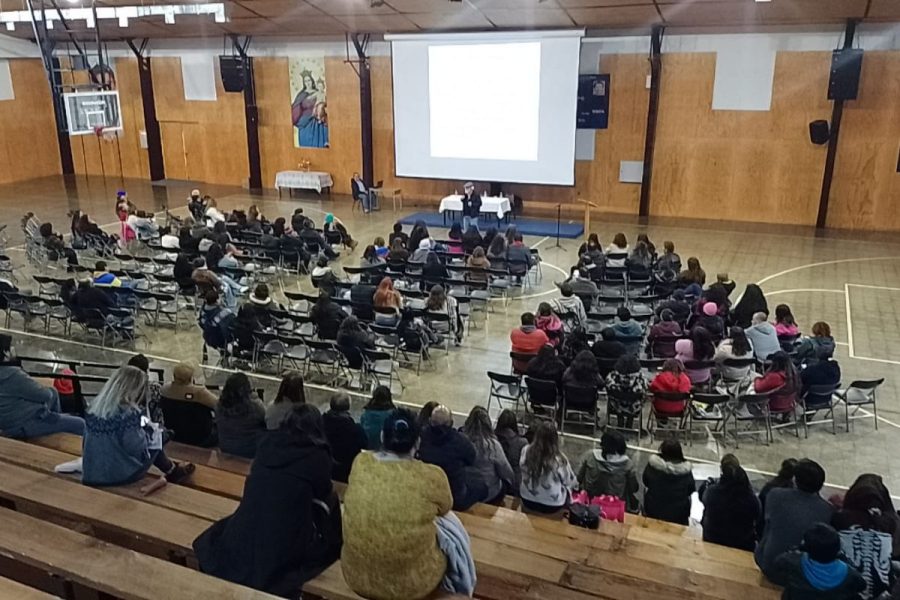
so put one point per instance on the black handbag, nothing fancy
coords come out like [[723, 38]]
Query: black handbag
[[584, 515]]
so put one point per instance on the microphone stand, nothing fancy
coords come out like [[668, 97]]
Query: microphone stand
[[558, 213]]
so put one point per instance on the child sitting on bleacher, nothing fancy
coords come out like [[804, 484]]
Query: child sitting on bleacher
[[817, 571]]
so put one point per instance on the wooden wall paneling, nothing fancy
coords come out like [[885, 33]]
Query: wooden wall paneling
[[209, 136], [28, 145], [740, 165], [866, 189]]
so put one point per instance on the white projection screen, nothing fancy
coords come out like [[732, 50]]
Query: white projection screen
[[486, 106]]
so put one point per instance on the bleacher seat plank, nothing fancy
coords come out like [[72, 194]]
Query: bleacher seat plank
[[13, 590], [223, 483], [168, 530], [176, 497], [105, 567], [209, 457]]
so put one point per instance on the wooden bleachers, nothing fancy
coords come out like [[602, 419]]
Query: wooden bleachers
[[517, 555], [14, 590]]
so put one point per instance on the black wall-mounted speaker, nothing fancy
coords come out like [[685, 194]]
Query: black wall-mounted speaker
[[846, 66], [818, 132], [231, 68]]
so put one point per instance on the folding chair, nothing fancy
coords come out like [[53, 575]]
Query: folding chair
[[816, 398], [708, 409], [859, 393], [324, 356], [505, 387], [520, 362], [543, 395], [440, 323], [663, 346], [752, 408], [582, 400], [295, 351], [380, 367], [679, 418], [623, 397]]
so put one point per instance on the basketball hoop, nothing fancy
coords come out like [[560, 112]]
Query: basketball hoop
[[106, 135], [98, 130]]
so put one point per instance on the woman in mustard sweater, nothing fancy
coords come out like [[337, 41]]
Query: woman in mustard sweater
[[390, 540]]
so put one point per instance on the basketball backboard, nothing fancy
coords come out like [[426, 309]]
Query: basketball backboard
[[86, 111]]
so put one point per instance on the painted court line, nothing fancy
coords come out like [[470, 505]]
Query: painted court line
[[821, 264]]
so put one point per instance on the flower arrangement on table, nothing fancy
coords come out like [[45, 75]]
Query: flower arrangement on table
[[303, 165]]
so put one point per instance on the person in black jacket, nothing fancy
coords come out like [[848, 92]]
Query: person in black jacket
[[447, 448], [731, 511], [254, 316], [346, 437], [89, 298], [826, 371], [361, 192], [327, 317], [352, 339], [670, 482], [471, 206], [287, 528]]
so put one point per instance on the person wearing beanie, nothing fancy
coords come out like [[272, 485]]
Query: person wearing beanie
[[188, 408], [816, 572], [336, 232], [710, 320]]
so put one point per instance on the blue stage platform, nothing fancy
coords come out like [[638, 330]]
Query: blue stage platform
[[536, 227]]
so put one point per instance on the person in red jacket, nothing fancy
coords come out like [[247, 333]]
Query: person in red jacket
[[781, 382], [527, 339], [671, 380]]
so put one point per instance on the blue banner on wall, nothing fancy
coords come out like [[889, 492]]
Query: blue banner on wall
[[593, 102]]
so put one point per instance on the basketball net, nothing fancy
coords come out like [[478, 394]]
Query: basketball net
[[106, 135]]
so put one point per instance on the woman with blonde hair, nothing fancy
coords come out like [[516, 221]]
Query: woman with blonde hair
[[120, 443]]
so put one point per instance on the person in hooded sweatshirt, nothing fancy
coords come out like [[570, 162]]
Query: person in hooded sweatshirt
[[625, 326], [550, 324], [816, 571], [28, 409], [762, 337], [447, 448], [669, 483], [281, 535], [667, 327], [346, 437], [731, 510], [679, 306], [609, 471]]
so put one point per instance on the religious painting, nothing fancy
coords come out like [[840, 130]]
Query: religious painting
[[309, 109]]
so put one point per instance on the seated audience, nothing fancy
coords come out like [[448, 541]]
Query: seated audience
[[280, 536], [592, 249], [569, 303], [725, 283], [640, 261], [671, 380], [420, 254], [752, 301], [608, 348], [825, 373], [290, 395], [669, 482], [27, 408], [390, 536], [519, 253], [434, 270], [398, 253], [547, 478], [625, 326], [735, 347], [625, 390], [666, 327], [398, 234], [471, 239], [370, 257], [88, 298], [710, 320], [816, 571], [491, 465], [698, 347], [447, 448], [441, 303], [681, 308], [454, 239], [215, 321], [478, 264], [583, 287], [609, 471], [424, 416], [117, 448], [327, 316], [546, 365], [763, 337], [497, 247], [527, 339], [374, 414], [240, 418], [345, 436], [254, 316], [619, 245], [322, 275], [512, 442], [731, 509], [419, 232], [781, 382], [56, 247], [583, 371], [550, 324], [102, 276], [790, 513], [785, 324], [149, 404], [693, 274], [386, 297], [352, 339], [182, 391], [808, 347], [783, 479], [669, 261]]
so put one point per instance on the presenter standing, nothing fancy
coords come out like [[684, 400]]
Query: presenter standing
[[471, 206]]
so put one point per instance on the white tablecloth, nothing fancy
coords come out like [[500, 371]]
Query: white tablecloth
[[306, 180], [489, 204]]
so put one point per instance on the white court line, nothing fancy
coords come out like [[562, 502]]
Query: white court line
[[773, 293], [540, 241], [849, 321], [821, 264], [874, 287]]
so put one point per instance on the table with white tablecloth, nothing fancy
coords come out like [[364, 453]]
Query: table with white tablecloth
[[303, 180], [498, 205]]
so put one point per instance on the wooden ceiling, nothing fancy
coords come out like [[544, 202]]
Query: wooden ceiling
[[330, 18]]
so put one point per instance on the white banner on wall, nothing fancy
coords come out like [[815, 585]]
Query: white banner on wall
[[6, 84], [198, 72], [745, 73]]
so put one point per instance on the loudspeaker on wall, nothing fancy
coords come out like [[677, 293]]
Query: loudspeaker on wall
[[818, 132], [846, 66], [231, 68]]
